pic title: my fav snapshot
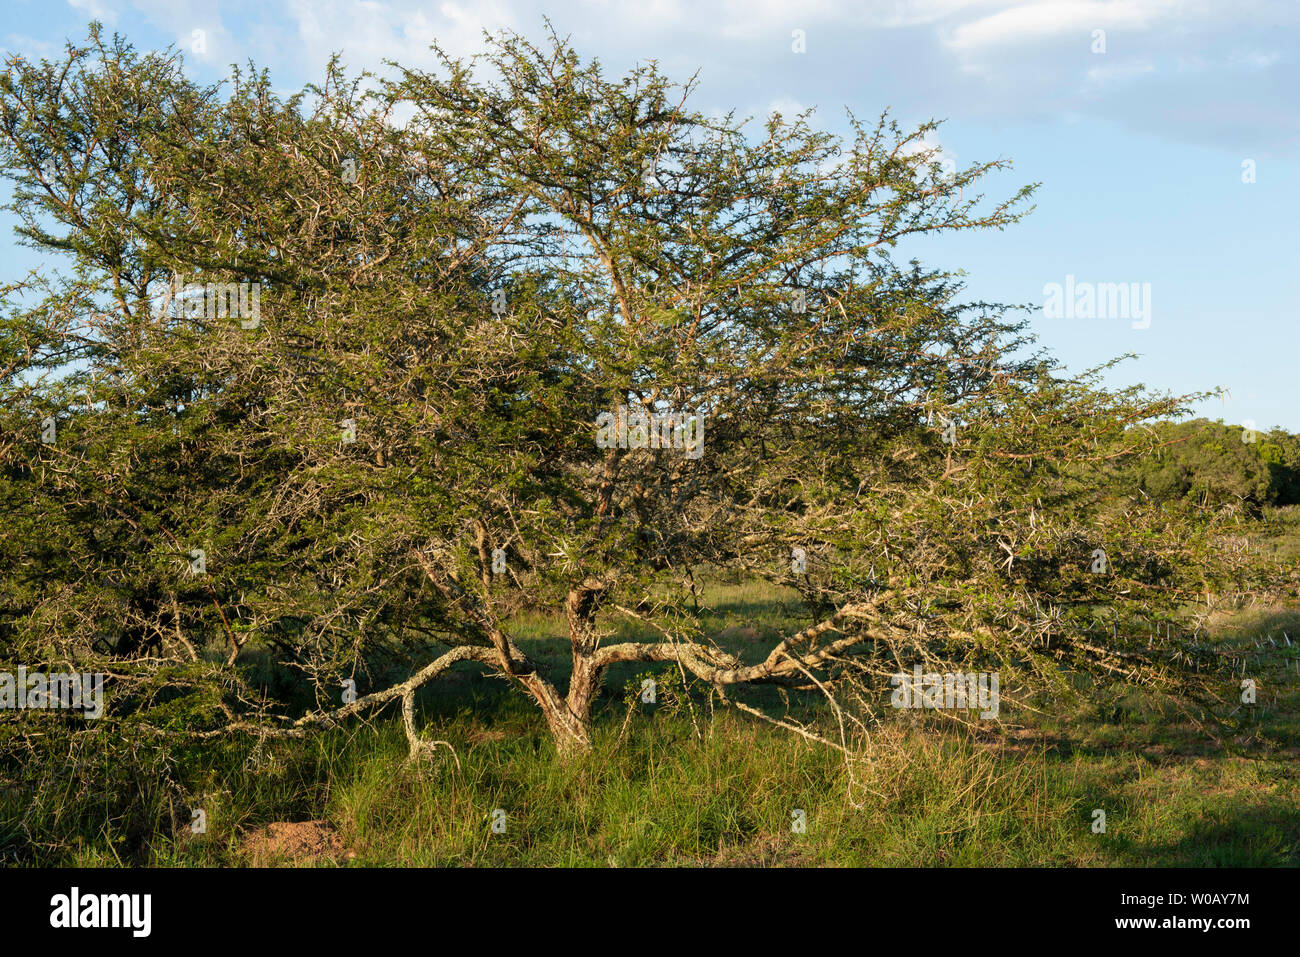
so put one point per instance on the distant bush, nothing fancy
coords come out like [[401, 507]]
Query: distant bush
[[1213, 463]]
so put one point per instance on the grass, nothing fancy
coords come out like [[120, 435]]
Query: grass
[[681, 785]]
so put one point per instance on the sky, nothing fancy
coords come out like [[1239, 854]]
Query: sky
[[1165, 135]]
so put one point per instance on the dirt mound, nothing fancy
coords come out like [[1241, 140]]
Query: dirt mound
[[295, 842]]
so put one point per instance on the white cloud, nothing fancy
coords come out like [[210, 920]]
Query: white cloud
[[97, 10], [29, 47], [750, 18], [788, 107], [1253, 59], [1043, 19], [367, 32], [1111, 73], [911, 13], [957, 58]]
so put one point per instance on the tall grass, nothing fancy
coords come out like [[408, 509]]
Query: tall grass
[[673, 785]]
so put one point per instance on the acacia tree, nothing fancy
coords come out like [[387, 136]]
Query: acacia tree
[[442, 413]]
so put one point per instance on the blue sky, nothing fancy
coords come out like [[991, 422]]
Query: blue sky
[[1139, 148]]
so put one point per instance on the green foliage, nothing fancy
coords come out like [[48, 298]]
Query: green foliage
[[471, 289], [1213, 464]]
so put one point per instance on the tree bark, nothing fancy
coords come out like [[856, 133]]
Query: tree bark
[[572, 734], [585, 680]]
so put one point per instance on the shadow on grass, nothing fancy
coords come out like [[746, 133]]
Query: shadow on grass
[[1253, 836]]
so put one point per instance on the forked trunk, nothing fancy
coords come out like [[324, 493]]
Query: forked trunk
[[585, 679], [570, 732]]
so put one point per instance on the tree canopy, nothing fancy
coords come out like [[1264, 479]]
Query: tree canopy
[[327, 378]]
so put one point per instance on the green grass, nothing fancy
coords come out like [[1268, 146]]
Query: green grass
[[673, 785], [1278, 535]]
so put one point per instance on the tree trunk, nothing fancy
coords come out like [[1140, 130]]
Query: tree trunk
[[584, 685], [570, 732], [585, 680]]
